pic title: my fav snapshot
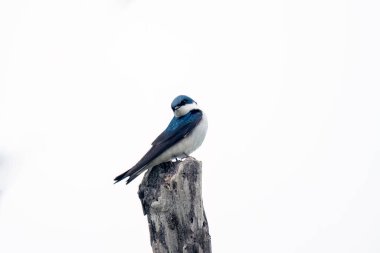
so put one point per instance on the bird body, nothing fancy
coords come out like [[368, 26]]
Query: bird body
[[184, 134]]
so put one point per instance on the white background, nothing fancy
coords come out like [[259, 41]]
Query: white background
[[291, 162]]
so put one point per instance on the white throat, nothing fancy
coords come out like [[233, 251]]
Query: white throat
[[185, 109]]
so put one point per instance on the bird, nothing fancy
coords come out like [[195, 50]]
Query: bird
[[184, 134]]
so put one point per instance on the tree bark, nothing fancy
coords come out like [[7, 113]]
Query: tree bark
[[171, 197]]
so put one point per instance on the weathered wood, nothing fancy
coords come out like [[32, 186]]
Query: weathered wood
[[171, 197]]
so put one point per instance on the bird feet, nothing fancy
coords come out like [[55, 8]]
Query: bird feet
[[184, 157], [181, 158]]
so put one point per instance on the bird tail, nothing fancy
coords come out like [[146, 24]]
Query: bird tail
[[131, 174]]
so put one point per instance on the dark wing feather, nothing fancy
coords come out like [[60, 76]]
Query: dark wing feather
[[179, 127], [176, 130]]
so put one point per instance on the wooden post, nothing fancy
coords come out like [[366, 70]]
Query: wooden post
[[171, 197]]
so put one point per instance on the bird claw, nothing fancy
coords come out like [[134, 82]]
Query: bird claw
[[180, 159], [185, 156]]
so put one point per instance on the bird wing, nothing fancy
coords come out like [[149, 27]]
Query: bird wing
[[177, 129]]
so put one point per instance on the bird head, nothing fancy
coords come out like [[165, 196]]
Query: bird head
[[182, 104]]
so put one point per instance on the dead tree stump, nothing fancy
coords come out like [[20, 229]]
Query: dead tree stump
[[171, 197]]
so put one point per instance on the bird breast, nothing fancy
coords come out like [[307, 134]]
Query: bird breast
[[195, 139], [187, 145]]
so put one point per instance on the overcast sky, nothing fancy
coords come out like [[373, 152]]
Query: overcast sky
[[291, 162]]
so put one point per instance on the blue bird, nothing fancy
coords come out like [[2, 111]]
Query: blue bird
[[184, 134]]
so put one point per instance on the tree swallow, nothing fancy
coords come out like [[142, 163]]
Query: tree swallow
[[184, 134]]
